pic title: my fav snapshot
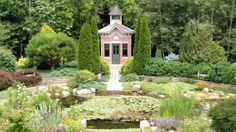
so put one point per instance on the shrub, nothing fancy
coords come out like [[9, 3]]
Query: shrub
[[63, 72], [7, 60], [23, 63], [84, 76], [200, 123], [29, 77], [224, 116], [127, 68], [178, 106], [201, 85], [5, 80], [50, 48], [43, 98], [47, 118], [154, 67], [128, 77], [104, 68], [223, 72], [70, 64]]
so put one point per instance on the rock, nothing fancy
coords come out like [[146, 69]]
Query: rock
[[74, 91], [65, 93], [57, 95], [211, 90], [83, 125], [161, 96], [144, 124], [187, 95], [152, 94], [200, 95], [190, 92], [49, 95], [213, 97], [154, 129], [65, 88], [61, 128], [93, 90], [42, 88], [136, 88], [205, 90], [83, 91], [231, 95]]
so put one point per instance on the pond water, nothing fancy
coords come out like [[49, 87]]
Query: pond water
[[111, 124]]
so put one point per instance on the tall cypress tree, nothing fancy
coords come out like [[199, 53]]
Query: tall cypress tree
[[137, 32], [85, 49], [136, 44], [143, 53], [95, 44]]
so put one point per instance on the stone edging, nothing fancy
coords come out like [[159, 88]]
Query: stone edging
[[190, 80]]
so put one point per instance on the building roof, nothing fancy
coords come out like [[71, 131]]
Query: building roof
[[111, 27], [115, 10]]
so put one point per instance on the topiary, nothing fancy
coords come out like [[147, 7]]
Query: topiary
[[7, 60], [224, 116], [29, 77], [127, 68], [5, 80], [84, 76]]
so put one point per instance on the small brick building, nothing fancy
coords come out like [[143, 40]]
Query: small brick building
[[116, 42]]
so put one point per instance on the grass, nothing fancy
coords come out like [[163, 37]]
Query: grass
[[225, 90], [168, 89], [113, 130]]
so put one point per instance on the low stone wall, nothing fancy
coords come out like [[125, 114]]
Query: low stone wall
[[189, 80], [54, 80]]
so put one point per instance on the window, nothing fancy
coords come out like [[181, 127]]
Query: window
[[115, 17], [107, 50], [125, 50]]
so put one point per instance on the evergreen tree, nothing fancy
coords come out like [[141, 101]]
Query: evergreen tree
[[95, 44], [143, 53], [197, 47], [85, 49], [158, 54], [137, 32]]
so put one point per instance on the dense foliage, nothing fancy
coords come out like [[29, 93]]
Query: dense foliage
[[128, 67], [198, 47], [85, 49], [96, 46], [28, 77], [223, 72], [51, 48], [142, 52], [7, 60], [5, 80], [167, 19], [178, 106], [224, 116]]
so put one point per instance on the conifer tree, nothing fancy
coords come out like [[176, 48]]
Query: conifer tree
[[143, 53], [137, 32], [85, 49], [95, 45]]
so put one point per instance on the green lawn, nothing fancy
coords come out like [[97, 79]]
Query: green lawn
[[113, 130]]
